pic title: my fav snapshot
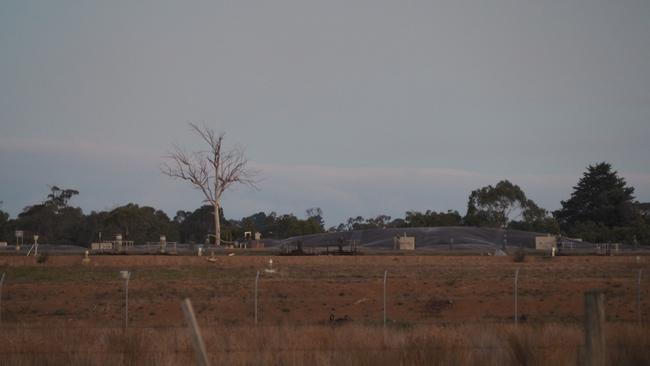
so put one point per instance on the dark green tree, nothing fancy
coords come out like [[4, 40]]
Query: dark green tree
[[535, 218], [601, 208], [198, 225], [58, 198], [194, 227], [53, 220], [432, 218], [314, 222], [355, 223], [506, 205], [600, 196], [378, 222], [138, 224], [4, 225]]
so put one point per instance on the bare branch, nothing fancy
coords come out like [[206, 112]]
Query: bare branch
[[211, 171], [190, 167], [234, 169]]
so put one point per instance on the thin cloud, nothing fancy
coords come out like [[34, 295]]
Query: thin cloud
[[80, 148], [285, 188]]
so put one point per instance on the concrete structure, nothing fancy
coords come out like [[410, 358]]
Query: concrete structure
[[405, 242], [117, 246], [545, 242], [256, 244]]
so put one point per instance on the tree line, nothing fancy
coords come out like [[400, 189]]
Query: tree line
[[601, 208], [57, 222]]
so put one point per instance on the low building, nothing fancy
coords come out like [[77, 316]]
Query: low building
[[545, 242], [404, 242]]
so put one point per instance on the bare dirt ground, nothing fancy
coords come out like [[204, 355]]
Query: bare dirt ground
[[63, 292]]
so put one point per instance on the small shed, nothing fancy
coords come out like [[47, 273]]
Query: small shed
[[545, 242], [404, 242]]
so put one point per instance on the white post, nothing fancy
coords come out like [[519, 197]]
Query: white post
[[163, 243], [385, 276], [195, 332], [516, 280], [2, 281], [638, 296], [257, 279], [126, 275]]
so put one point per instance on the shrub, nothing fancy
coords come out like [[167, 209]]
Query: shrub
[[42, 258], [520, 256]]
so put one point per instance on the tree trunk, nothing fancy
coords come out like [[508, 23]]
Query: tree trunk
[[217, 225]]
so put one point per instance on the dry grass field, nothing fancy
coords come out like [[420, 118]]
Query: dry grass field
[[472, 344], [440, 310]]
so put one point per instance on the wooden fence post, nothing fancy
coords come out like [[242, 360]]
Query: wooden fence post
[[595, 348], [195, 332]]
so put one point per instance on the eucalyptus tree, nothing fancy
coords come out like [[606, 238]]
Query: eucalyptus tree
[[212, 170]]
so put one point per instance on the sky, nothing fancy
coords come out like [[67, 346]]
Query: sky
[[356, 107]]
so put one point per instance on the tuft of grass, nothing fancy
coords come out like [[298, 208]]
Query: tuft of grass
[[42, 258], [519, 256]]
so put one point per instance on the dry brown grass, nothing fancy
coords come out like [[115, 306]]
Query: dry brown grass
[[441, 310], [320, 345]]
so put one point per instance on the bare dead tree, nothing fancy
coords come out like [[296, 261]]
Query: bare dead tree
[[210, 171]]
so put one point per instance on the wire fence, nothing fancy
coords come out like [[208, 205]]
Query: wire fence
[[252, 336], [267, 302]]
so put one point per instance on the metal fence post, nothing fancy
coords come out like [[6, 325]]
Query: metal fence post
[[2, 281], [197, 339], [257, 279], [516, 284], [594, 329], [638, 297], [126, 302], [126, 275], [385, 277]]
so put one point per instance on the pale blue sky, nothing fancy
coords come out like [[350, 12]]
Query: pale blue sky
[[359, 107]]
